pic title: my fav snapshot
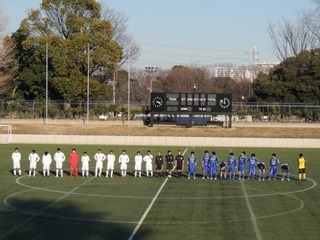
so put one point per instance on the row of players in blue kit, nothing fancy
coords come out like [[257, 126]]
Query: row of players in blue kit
[[211, 166]]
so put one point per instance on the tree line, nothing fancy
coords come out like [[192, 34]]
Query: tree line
[[68, 32]]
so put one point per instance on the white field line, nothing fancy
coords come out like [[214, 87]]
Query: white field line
[[143, 217], [253, 217], [42, 210]]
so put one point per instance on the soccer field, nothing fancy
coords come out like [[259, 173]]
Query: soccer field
[[158, 208]]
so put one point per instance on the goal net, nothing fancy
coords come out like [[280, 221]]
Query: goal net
[[5, 134]]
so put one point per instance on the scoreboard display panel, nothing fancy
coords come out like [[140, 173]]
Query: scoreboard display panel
[[191, 103]]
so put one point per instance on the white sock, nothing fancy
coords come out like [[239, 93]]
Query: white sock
[[61, 172], [14, 172], [19, 172], [111, 174]]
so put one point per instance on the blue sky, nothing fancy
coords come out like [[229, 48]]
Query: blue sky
[[191, 32]]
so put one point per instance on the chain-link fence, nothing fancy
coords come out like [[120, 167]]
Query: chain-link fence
[[107, 110]]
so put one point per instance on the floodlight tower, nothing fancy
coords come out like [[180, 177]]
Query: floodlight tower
[[151, 71]]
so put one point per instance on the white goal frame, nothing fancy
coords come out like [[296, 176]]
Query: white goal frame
[[6, 138]]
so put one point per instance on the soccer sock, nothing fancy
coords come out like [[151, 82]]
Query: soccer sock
[[304, 176], [14, 172], [300, 175], [82, 173], [135, 173], [34, 172], [111, 174], [29, 172], [19, 172], [61, 172], [107, 173], [57, 172], [151, 173], [139, 173]]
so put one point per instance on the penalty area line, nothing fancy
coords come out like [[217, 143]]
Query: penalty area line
[[135, 230]]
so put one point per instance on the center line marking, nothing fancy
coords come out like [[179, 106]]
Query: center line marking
[[151, 205], [253, 217]]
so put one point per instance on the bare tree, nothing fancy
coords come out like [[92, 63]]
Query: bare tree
[[291, 38], [119, 23], [8, 61]]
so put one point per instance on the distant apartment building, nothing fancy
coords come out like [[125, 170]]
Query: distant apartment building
[[238, 73]]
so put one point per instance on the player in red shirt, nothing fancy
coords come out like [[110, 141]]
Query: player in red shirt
[[74, 158]]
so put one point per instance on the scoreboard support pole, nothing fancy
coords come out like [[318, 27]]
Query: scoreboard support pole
[[230, 121], [151, 120]]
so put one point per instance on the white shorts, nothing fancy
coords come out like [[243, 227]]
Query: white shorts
[[99, 165], [110, 166], [33, 165], [46, 166], [148, 167], [16, 164], [85, 166], [137, 167], [123, 166], [59, 165]]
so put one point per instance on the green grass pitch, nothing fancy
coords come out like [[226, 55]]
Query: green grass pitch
[[103, 208]]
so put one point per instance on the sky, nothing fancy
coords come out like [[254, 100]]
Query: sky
[[191, 32]]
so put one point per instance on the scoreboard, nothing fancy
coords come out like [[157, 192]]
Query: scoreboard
[[191, 103]]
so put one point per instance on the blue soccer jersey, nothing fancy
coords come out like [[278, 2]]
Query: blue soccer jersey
[[232, 163], [192, 164], [206, 162], [252, 165], [214, 161], [274, 162], [242, 163]]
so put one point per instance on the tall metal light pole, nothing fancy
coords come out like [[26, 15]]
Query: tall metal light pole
[[47, 85], [88, 84], [129, 62], [150, 71]]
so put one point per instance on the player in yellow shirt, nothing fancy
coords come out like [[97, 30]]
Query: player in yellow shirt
[[302, 167]]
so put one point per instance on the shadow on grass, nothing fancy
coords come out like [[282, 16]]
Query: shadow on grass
[[37, 219]]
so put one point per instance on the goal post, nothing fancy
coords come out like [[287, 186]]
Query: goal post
[[5, 134]]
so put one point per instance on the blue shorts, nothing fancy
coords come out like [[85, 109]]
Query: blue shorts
[[192, 168], [241, 168], [273, 170]]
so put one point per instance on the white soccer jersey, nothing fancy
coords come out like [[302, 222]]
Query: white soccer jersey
[[123, 160], [46, 161], [16, 158], [59, 157], [99, 157], [111, 158], [85, 162], [34, 159], [137, 162], [148, 160]]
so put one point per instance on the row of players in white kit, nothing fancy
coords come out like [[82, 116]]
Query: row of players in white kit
[[59, 157]]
